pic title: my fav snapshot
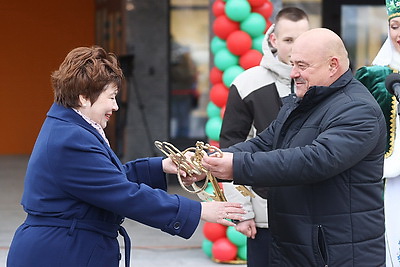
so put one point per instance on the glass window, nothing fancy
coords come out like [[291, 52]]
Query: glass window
[[189, 68], [311, 7], [364, 29], [190, 31]]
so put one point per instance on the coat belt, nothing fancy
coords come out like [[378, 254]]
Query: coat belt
[[104, 228]]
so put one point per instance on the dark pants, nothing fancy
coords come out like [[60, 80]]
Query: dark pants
[[181, 107], [258, 248]]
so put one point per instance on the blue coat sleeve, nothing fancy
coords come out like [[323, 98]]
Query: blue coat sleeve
[[145, 170]]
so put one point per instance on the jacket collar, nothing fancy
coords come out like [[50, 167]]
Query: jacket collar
[[69, 115], [317, 94]]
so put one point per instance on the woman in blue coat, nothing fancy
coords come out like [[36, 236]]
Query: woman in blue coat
[[77, 192]]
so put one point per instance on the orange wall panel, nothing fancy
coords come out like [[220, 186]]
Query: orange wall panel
[[35, 38]]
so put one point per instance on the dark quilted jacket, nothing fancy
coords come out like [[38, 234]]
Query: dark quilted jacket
[[323, 164]]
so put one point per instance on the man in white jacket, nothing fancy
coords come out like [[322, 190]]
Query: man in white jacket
[[254, 101]]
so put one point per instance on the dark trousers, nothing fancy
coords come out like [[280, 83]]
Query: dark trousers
[[258, 248]]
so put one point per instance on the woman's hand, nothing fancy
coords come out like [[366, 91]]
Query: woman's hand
[[187, 179], [248, 228], [170, 167], [219, 212]]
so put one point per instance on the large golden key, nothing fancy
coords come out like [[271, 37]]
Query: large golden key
[[191, 164]]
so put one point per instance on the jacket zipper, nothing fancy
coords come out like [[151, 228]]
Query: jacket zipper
[[322, 246]]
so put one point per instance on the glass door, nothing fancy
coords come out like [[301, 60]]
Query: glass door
[[362, 25], [364, 29], [189, 68]]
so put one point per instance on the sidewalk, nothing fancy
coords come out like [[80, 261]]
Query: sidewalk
[[150, 247]]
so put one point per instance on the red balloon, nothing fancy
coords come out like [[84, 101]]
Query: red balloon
[[219, 94], [215, 75], [250, 59], [213, 143], [218, 8], [221, 185], [223, 26], [224, 250], [265, 10], [222, 112], [239, 42], [214, 231], [256, 3]]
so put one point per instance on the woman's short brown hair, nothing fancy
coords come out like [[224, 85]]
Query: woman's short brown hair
[[85, 71]]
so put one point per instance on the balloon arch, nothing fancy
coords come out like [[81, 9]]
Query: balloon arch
[[238, 30]]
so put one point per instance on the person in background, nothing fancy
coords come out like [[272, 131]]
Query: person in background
[[373, 77], [184, 95], [253, 102], [322, 159], [77, 192]]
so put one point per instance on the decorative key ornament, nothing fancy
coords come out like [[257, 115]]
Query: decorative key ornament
[[189, 161]]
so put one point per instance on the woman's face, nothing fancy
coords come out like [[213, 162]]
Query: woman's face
[[394, 32], [101, 110]]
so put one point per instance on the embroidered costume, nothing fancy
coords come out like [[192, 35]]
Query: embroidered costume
[[373, 77]]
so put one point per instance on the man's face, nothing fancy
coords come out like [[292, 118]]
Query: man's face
[[310, 68], [286, 31]]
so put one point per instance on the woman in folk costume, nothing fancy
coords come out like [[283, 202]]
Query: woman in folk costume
[[373, 77]]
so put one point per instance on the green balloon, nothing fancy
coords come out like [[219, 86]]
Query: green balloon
[[254, 25], [213, 110], [230, 74], [223, 59], [207, 247], [242, 252], [236, 237], [209, 189], [216, 44], [257, 43], [237, 10], [213, 128]]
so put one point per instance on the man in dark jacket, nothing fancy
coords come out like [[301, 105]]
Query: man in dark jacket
[[323, 161], [254, 101]]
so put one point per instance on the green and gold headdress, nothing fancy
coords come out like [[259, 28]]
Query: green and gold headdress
[[393, 8]]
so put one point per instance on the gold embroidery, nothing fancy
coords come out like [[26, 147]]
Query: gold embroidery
[[392, 127], [394, 15]]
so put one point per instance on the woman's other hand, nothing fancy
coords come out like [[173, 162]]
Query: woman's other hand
[[219, 212]]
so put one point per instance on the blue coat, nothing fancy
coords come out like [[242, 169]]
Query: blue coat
[[77, 194]]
